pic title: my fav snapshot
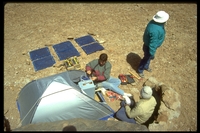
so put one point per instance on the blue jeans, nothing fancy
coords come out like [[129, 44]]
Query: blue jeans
[[121, 114], [112, 84], [145, 62]]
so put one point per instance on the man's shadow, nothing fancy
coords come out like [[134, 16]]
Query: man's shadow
[[134, 60]]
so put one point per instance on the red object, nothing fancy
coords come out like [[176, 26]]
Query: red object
[[113, 96], [122, 78]]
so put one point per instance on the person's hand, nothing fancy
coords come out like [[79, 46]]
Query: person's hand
[[93, 78], [89, 72], [127, 100]]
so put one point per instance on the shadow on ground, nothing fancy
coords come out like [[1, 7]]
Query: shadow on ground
[[134, 60]]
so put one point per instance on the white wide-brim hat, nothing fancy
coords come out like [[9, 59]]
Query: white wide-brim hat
[[146, 92], [161, 17]]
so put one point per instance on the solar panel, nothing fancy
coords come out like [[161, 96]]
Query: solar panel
[[84, 40], [65, 50], [41, 58], [92, 48], [39, 53], [43, 63], [89, 44]]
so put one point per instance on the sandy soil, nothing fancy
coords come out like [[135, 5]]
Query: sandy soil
[[29, 26]]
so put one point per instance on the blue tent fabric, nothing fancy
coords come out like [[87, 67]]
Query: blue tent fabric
[[59, 97], [92, 48], [89, 44], [65, 50], [41, 58]]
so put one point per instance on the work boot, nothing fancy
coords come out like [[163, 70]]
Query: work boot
[[149, 70], [141, 75]]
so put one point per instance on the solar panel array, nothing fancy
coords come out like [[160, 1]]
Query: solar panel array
[[42, 58]]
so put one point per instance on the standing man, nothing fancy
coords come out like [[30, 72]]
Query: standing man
[[99, 71], [153, 38]]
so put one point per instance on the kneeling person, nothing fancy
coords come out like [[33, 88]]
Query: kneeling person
[[142, 110]]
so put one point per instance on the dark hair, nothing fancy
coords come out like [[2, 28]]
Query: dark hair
[[103, 57]]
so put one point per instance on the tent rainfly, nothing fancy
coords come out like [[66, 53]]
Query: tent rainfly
[[58, 97]]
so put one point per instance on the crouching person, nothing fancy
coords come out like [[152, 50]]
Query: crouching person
[[137, 112]]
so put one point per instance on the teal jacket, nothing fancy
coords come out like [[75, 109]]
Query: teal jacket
[[101, 72], [154, 36]]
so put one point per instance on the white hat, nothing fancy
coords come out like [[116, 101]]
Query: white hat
[[146, 92], [161, 17]]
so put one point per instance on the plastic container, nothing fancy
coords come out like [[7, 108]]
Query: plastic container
[[87, 87]]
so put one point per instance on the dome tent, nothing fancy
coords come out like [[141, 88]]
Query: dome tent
[[58, 97]]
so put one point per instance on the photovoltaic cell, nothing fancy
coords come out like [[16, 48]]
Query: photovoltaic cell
[[43, 63], [39, 53], [92, 48], [65, 50], [41, 58], [89, 44], [84, 40]]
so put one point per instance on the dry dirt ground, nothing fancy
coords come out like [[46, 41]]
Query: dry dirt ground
[[29, 26]]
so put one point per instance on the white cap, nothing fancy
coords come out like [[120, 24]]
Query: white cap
[[146, 92]]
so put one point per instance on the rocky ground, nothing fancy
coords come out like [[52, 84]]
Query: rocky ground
[[120, 26]]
